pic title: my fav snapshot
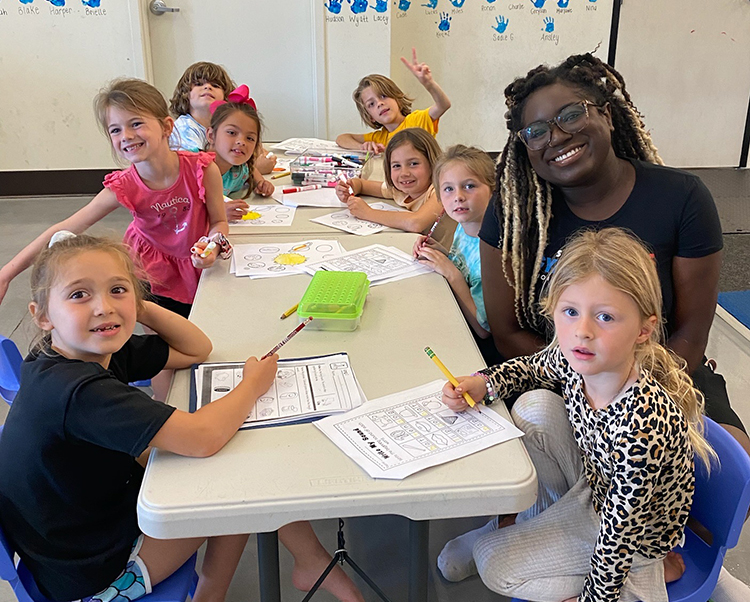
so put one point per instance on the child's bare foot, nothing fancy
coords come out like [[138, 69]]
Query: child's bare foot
[[306, 572], [674, 567]]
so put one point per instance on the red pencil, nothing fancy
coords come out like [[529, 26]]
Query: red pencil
[[285, 340]]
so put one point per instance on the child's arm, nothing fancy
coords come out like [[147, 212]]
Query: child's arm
[[442, 265], [358, 142], [409, 221], [358, 186], [188, 344], [262, 186], [217, 218], [101, 205], [422, 72], [207, 430]]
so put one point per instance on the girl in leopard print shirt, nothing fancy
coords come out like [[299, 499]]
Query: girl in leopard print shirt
[[614, 455]]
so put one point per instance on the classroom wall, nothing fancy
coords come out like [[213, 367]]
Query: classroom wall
[[685, 62]]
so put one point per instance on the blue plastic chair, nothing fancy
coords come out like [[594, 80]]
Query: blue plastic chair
[[10, 369], [174, 588], [720, 505]]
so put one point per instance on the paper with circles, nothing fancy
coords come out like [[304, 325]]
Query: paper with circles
[[270, 260], [304, 389], [344, 220], [257, 216]]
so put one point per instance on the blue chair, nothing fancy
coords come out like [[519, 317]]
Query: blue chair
[[174, 588], [10, 369], [720, 505]]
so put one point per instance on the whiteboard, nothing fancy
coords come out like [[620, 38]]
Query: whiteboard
[[53, 61]]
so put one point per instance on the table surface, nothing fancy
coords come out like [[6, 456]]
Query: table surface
[[266, 478]]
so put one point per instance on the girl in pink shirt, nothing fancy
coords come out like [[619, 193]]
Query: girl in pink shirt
[[175, 197]]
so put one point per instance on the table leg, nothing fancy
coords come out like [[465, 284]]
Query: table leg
[[419, 538], [268, 567]]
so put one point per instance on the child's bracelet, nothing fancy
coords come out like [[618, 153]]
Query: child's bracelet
[[491, 394], [225, 247]]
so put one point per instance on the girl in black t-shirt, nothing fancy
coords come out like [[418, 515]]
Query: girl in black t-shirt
[[77, 433]]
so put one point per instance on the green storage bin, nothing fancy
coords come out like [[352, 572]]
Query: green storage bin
[[335, 300]]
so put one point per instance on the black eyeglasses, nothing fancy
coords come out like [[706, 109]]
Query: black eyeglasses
[[571, 120]]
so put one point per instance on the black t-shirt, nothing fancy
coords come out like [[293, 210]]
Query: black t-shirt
[[69, 481], [670, 210]]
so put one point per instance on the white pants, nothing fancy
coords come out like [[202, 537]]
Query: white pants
[[546, 556]]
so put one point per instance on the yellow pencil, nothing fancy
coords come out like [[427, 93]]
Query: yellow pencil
[[289, 312], [281, 174], [431, 354]]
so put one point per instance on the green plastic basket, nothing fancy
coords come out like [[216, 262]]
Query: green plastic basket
[[335, 300]]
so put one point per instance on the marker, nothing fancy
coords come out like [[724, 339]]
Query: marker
[[342, 177], [206, 252], [285, 340], [289, 312], [346, 161], [269, 155], [281, 174], [299, 247], [316, 159], [367, 157], [435, 225], [431, 354], [301, 188]]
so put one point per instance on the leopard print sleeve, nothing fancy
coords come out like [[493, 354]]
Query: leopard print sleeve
[[542, 370], [639, 445]]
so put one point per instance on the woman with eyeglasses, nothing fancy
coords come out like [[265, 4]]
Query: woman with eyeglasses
[[579, 156]]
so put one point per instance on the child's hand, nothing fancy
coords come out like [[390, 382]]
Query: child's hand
[[265, 164], [420, 70], [260, 373], [473, 385], [235, 209], [416, 250], [344, 189], [202, 248], [439, 262], [264, 188], [373, 147], [426, 241], [358, 208]]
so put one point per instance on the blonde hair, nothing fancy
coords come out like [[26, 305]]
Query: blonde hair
[[47, 266], [380, 84], [476, 161], [132, 95], [222, 113], [422, 142], [621, 260], [198, 74], [524, 200]]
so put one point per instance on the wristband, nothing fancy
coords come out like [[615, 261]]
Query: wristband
[[491, 394], [225, 247]]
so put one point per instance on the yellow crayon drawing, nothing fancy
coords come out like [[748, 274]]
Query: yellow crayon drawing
[[289, 259], [251, 215]]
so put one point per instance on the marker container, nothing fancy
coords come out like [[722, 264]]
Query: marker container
[[335, 300], [318, 172]]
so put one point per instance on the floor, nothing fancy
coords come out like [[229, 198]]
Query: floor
[[377, 544]]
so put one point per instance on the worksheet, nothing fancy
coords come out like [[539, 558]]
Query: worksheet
[[300, 146], [266, 215], [269, 260], [380, 263], [400, 434], [304, 389], [344, 220]]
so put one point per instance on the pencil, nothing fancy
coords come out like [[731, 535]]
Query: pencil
[[285, 340], [431, 354], [281, 174], [289, 312]]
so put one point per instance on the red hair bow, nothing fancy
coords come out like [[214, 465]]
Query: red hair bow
[[240, 95]]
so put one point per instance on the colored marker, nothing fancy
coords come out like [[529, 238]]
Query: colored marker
[[435, 225], [269, 155], [346, 161], [285, 340], [316, 159], [342, 177], [206, 252], [431, 354], [289, 312], [301, 188], [281, 174]]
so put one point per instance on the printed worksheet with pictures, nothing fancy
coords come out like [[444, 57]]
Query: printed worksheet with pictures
[[304, 389], [400, 434]]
